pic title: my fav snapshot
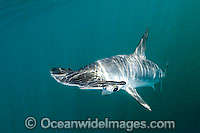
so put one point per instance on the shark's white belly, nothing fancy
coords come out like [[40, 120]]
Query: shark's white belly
[[138, 84], [137, 73]]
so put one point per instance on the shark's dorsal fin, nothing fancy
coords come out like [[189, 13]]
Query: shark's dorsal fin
[[133, 93], [140, 50]]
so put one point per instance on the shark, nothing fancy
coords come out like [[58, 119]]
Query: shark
[[120, 72]]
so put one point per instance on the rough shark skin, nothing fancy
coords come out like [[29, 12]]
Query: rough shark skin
[[125, 72]]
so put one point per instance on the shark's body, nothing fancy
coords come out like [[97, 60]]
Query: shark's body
[[126, 72]]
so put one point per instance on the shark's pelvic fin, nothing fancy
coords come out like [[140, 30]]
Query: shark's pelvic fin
[[154, 87], [140, 50], [133, 93]]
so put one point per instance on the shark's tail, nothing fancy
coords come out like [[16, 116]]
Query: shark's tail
[[165, 70], [167, 64]]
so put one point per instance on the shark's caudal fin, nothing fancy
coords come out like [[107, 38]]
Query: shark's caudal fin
[[140, 50], [167, 64], [165, 71], [133, 93]]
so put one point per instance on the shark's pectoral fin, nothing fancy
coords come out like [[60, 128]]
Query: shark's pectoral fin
[[133, 93], [106, 92]]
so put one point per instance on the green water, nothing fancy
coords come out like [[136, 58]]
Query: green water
[[36, 36]]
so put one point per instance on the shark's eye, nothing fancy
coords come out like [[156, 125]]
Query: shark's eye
[[115, 89]]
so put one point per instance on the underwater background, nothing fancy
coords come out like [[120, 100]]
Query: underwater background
[[37, 35]]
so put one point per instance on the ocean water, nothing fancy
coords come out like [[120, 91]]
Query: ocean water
[[37, 35]]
